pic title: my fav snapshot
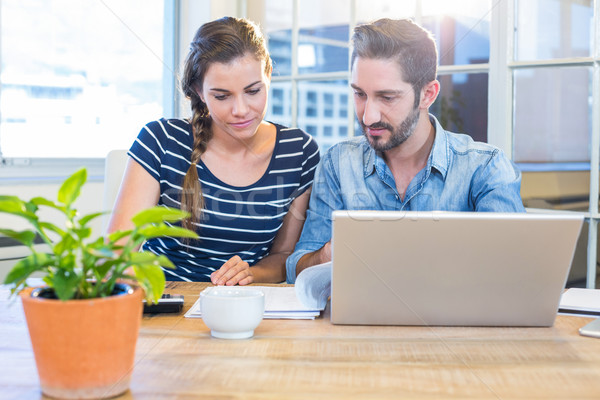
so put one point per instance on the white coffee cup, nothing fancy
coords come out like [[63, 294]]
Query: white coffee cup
[[232, 312]]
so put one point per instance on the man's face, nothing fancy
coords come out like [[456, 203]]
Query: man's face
[[384, 102]]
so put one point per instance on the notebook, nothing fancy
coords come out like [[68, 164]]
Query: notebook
[[450, 268]]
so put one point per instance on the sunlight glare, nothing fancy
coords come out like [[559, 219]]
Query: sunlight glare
[[467, 8]]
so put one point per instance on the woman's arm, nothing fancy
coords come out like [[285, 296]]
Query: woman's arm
[[138, 191], [272, 267]]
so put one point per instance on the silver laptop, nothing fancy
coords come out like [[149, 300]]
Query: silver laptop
[[450, 268]]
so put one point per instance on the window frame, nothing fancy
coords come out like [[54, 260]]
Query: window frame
[[501, 101]]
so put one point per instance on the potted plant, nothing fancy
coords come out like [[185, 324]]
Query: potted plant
[[84, 323]]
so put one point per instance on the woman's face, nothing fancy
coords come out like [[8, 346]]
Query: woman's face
[[236, 96]]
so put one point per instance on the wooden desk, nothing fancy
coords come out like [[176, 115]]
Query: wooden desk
[[287, 359]]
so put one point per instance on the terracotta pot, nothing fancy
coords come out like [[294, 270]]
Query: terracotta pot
[[84, 349]]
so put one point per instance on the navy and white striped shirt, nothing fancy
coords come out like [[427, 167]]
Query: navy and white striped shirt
[[235, 220]]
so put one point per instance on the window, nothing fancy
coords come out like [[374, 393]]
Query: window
[[521, 74], [327, 105], [320, 51], [280, 104], [463, 103], [311, 106], [277, 101], [79, 78], [561, 136], [343, 106], [312, 57], [312, 129], [553, 50]]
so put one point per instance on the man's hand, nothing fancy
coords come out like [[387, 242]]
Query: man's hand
[[325, 253], [320, 256], [234, 272]]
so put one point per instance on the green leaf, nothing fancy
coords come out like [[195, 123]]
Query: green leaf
[[67, 263], [165, 262], [16, 206], [143, 257], [25, 237], [83, 233], [152, 279], [64, 284], [158, 214], [67, 243], [51, 227], [118, 235], [104, 288], [153, 231], [87, 218], [103, 252], [101, 271], [28, 265], [40, 201], [71, 187]]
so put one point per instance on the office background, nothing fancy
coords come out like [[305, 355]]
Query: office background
[[79, 78]]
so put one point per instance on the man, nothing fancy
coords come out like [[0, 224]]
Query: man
[[405, 160]]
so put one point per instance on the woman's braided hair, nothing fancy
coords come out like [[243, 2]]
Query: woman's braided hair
[[219, 41]]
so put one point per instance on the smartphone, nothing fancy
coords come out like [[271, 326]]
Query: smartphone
[[168, 303], [592, 329]]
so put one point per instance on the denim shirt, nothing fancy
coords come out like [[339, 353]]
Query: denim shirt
[[460, 175]]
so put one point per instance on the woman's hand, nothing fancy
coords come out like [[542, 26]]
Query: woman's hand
[[234, 272]]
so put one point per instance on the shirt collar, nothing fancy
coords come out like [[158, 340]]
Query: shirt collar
[[438, 158]]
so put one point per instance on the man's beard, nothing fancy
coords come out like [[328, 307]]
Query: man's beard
[[398, 135]]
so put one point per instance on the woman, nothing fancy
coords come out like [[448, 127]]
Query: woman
[[245, 181]]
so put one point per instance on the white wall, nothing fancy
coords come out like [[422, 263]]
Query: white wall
[[89, 201]]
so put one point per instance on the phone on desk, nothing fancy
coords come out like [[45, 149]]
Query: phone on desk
[[592, 329], [168, 303]]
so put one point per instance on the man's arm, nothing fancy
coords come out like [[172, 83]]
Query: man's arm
[[320, 256], [314, 245], [497, 186]]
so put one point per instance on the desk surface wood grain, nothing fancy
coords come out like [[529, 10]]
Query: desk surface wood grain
[[298, 359]]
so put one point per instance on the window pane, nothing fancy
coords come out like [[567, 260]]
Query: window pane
[[80, 77], [277, 26], [323, 37], [370, 10], [548, 29], [280, 103], [552, 114], [462, 104], [461, 30], [320, 107]]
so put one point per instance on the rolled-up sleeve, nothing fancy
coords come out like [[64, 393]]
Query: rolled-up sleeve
[[496, 187], [325, 197]]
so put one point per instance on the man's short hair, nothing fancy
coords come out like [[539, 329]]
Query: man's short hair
[[412, 46]]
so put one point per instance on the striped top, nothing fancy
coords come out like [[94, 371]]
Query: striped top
[[235, 220]]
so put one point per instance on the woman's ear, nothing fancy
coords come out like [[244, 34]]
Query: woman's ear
[[429, 93]]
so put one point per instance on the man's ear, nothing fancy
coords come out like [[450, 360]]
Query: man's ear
[[429, 93]]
